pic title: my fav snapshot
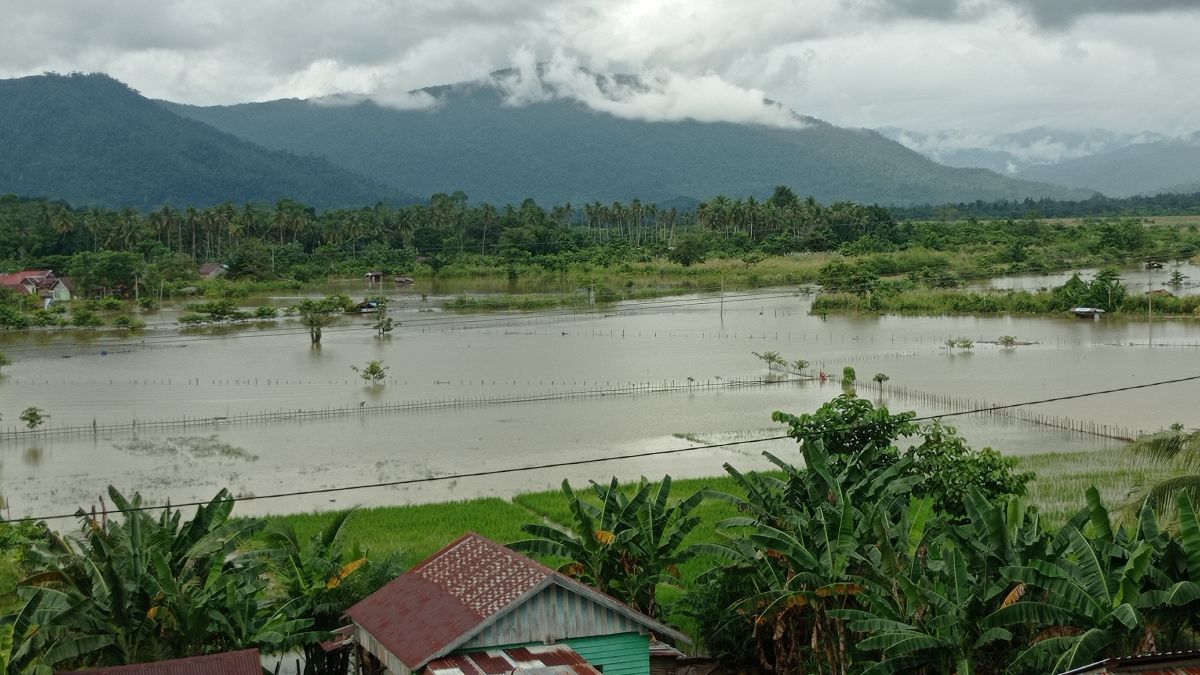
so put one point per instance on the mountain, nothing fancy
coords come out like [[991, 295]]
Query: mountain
[[1009, 153], [1170, 165], [555, 147], [91, 140]]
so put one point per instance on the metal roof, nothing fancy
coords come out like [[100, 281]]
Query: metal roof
[[537, 660], [1156, 663], [244, 662], [441, 603]]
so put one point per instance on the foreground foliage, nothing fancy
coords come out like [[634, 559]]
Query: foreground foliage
[[147, 588], [853, 566]]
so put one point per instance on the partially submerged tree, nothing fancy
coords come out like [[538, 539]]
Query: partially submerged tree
[[33, 417], [318, 314], [372, 373]]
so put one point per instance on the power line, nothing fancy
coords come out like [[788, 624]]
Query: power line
[[597, 460]]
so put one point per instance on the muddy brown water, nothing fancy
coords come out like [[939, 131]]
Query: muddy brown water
[[165, 374]]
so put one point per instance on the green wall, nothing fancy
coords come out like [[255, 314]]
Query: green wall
[[621, 654]]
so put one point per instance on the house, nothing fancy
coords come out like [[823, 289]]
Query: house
[[1170, 663], [212, 270], [478, 601], [42, 283], [1087, 312], [244, 662]]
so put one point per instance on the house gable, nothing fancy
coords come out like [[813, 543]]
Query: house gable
[[550, 615]]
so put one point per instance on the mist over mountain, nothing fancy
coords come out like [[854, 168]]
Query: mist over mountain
[[1114, 163], [565, 134], [91, 140], [1010, 153], [1168, 165]]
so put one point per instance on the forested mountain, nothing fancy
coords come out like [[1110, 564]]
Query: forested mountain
[[559, 150], [1171, 165], [94, 141]]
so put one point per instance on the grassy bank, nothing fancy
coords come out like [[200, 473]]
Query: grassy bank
[[956, 301], [414, 532]]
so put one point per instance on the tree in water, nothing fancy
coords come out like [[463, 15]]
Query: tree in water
[[317, 314], [33, 417], [372, 373], [879, 379]]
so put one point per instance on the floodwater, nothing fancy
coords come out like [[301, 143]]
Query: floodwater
[[1136, 278], [457, 359]]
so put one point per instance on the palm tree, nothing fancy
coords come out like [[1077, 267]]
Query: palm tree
[[1174, 458]]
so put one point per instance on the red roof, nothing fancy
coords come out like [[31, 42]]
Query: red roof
[[544, 660], [17, 279], [440, 603], [244, 662]]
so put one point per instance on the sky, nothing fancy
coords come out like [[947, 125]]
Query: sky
[[979, 66]]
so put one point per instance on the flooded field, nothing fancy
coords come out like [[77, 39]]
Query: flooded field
[[692, 345]]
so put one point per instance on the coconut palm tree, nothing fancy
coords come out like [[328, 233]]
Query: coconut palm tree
[[1173, 457]]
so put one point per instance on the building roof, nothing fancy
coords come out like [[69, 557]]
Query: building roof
[[18, 279], [441, 603], [539, 660], [1164, 663], [244, 662], [211, 267]]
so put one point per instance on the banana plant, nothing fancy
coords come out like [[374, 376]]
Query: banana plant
[[1103, 595], [808, 560], [141, 588], [624, 545]]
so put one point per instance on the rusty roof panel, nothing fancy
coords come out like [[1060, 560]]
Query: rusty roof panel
[[549, 660], [244, 662]]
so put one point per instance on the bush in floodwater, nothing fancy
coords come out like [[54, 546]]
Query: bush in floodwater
[[85, 318], [192, 319], [128, 322], [605, 294], [264, 312], [111, 303]]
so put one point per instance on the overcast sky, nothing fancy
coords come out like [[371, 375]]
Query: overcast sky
[[980, 65]]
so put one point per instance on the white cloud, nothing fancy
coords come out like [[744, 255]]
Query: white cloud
[[655, 95], [987, 65]]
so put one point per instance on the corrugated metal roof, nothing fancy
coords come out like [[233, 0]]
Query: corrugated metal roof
[[244, 662], [1156, 663], [439, 604], [538, 660]]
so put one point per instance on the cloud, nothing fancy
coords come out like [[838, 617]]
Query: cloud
[[988, 65], [656, 95], [1062, 13]]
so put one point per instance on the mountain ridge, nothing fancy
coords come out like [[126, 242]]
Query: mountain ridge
[[92, 140], [560, 150]]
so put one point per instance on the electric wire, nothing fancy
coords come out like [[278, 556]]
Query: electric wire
[[598, 460]]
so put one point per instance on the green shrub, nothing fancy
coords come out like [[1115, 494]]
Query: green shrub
[[111, 303], [128, 322], [85, 318]]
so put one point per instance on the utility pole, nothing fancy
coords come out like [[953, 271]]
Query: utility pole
[[722, 299]]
